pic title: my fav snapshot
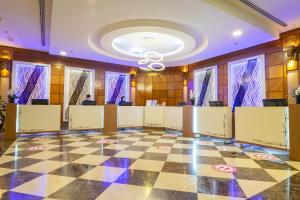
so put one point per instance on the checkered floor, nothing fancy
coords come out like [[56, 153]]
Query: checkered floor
[[144, 165]]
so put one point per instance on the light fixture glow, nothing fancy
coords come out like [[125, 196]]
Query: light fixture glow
[[237, 33], [160, 65], [63, 53], [292, 65], [4, 72], [153, 56]]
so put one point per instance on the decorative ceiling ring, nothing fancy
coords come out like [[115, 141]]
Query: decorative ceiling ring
[[143, 62], [194, 42]]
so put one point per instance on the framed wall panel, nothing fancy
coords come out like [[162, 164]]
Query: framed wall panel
[[116, 86], [31, 81], [78, 83], [206, 85], [246, 82]]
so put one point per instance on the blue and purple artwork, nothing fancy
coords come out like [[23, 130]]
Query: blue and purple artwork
[[31, 81], [247, 82], [205, 85], [116, 86], [78, 84]]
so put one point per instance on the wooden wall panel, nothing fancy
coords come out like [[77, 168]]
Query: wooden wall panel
[[165, 86]]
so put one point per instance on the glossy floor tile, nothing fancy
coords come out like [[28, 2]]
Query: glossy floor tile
[[142, 165]]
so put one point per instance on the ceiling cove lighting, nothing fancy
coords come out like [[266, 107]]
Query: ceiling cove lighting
[[237, 33], [136, 44], [63, 53]]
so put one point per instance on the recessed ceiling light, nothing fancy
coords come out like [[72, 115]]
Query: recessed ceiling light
[[63, 53], [237, 33]]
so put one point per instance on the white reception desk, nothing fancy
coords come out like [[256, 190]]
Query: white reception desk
[[130, 116], [38, 118], [267, 126], [213, 121], [163, 116], [86, 117], [154, 116], [173, 117]]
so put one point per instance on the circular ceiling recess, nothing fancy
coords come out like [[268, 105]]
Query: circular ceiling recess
[[137, 44], [132, 40]]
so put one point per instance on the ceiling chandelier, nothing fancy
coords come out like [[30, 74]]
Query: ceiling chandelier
[[152, 61]]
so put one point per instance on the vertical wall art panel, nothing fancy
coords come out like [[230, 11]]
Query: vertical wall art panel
[[77, 84], [116, 86], [246, 85], [31, 81], [205, 85]]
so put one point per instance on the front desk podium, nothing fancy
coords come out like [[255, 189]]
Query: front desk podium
[[11, 122], [110, 119], [294, 126], [187, 121]]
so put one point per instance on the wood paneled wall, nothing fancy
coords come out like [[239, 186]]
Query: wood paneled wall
[[165, 86], [276, 76], [58, 64]]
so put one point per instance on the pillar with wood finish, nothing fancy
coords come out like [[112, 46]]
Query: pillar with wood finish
[[294, 128], [11, 122], [110, 119], [187, 126]]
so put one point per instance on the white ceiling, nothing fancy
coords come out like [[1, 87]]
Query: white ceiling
[[72, 22]]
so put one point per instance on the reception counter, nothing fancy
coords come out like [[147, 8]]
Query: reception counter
[[173, 117], [38, 118], [130, 116], [154, 116], [163, 116], [267, 126], [213, 121], [85, 117]]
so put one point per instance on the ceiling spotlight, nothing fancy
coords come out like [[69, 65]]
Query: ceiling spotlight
[[63, 53], [156, 66], [153, 56], [237, 33]]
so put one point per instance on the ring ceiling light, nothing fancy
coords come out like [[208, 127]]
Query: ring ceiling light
[[161, 66], [143, 62], [154, 58]]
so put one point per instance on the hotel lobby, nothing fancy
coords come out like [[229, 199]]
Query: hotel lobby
[[149, 100]]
